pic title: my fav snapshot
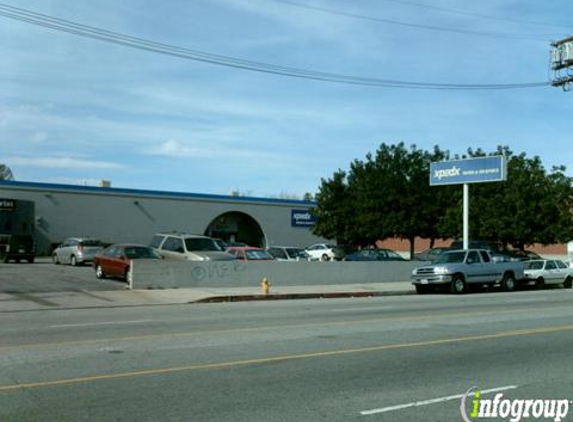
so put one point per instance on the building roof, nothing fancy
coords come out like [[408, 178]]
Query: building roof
[[148, 193]]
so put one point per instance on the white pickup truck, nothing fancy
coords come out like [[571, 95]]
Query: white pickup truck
[[457, 269]]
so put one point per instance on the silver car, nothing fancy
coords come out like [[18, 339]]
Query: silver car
[[548, 271], [288, 253], [76, 251], [190, 247]]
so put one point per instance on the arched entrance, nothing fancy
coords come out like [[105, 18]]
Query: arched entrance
[[235, 226]]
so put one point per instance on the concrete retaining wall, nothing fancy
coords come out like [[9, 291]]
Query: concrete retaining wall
[[184, 274]]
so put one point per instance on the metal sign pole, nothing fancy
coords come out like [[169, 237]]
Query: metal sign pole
[[466, 171], [466, 216]]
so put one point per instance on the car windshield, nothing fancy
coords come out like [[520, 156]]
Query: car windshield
[[534, 265], [393, 255], [201, 244], [258, 254], [367, 252], [296, 253], [91, 242], [451, 257], [140, 252]]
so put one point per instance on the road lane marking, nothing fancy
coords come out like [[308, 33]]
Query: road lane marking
[[370, 308], [92, 324], [432, 401], [282, 358], [424, 318]]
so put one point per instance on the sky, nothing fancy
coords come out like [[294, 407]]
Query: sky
[[75, 110]]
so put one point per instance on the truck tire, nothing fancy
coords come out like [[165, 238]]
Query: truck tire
[[508, 283], [567, 283], [458, 285]]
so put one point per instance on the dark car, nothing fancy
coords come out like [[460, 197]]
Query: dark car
[[477, 244], [518, 255], [342, 251], [17, 247], [375, 255], [430, 254], [115, 260]]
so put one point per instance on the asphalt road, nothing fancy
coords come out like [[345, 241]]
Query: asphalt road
[[380, 359], [44, 276]]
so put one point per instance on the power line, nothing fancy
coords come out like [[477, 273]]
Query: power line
[[510, 35], [479, 15], [92, 32]]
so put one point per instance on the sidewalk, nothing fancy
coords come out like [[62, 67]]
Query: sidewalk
[[19, 302]]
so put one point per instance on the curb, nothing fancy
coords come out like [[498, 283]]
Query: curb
[[288, 296]]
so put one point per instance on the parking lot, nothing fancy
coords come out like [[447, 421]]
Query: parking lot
[[43, 276]]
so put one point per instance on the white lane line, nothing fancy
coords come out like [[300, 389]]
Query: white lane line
[[91, 324], [431, 401], [371, 308]]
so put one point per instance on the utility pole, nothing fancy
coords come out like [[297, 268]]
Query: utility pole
[[562, 63]]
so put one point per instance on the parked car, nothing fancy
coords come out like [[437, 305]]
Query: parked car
[[76, 250], [224, 244], [430, 254], [250, 253], [459, 269], [115, 260], [17, 247], [517, 255], [373, 254], [514, 255], [188, 246], [548, 271], [289, 253], [490, 246], [324, 252], [342, 251]]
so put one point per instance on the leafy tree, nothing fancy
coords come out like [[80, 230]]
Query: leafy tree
[[532, 206], [333, 209], [308, 197], [386, 195], [6, 173]]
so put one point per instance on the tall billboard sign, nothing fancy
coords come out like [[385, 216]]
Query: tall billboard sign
[[465, 172], [474, 170]]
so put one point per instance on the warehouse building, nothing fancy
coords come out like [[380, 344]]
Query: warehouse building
[[54, 212]]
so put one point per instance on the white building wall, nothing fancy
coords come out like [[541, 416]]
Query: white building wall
[[125, 215]]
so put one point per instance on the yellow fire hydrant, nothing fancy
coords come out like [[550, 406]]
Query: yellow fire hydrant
[[265, 286]]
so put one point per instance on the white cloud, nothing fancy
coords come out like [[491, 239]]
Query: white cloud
[[39, 137], [177, 149], [61, 163], [72, 181]]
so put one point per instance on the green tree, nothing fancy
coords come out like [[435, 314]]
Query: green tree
[[386, 195], [532, 206], [6, 173], [335, 218]]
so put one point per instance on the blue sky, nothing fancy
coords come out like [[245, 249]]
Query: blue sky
[[76, 110]]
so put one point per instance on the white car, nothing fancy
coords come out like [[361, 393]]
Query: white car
[[322, 252], [289, 253], [548, 271]]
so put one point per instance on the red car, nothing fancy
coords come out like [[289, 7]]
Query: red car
[[250, 253], [114, 261]]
